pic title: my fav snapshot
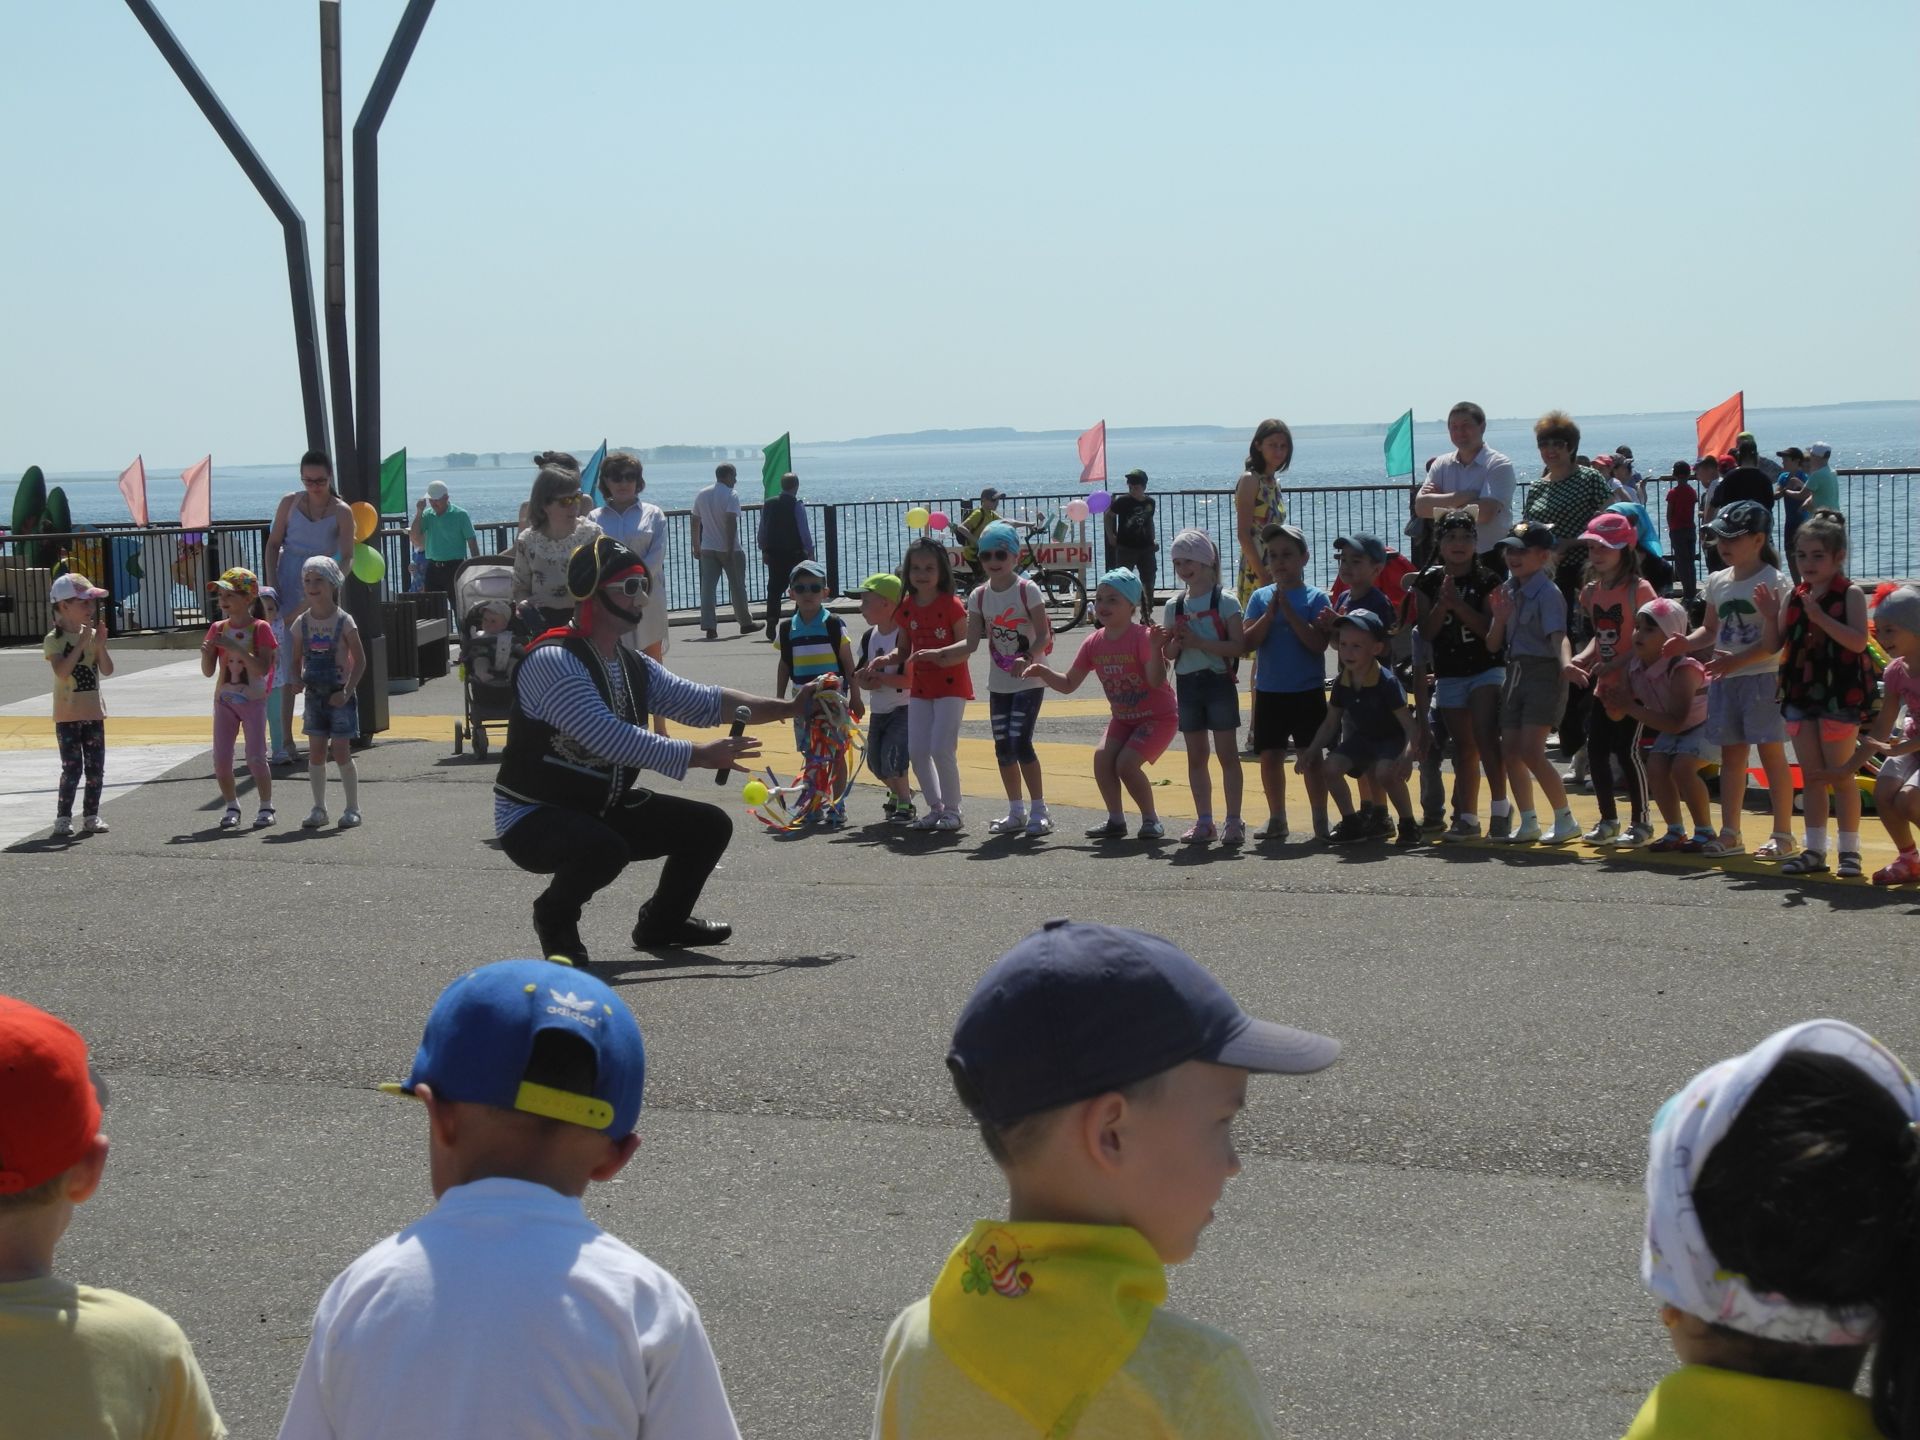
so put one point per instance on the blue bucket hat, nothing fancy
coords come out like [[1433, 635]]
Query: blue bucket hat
[[1127, 582]]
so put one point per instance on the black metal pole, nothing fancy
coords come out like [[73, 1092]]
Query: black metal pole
[[306, 333], [333, 262], [366, 226]]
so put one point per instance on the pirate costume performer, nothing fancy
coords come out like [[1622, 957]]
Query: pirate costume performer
[[566, 803]]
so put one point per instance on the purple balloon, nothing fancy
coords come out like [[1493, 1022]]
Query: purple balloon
[[1098, 501]]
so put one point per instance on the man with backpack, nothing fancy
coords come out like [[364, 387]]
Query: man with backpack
[[1131, 541], [785, 540]]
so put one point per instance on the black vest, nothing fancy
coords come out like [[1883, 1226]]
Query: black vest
[[780, 525], [542, 765]]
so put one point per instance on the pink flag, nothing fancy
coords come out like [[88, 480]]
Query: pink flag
[[196, 506], [133, 485], [1093, 455]]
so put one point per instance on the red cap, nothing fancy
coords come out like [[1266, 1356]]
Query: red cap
[[49, 1113]]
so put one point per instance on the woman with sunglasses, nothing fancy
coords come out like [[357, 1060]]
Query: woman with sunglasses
[[555, 529], [641, 526], [310, 523]]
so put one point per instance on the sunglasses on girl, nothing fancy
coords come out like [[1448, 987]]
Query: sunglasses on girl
[[996, 554]]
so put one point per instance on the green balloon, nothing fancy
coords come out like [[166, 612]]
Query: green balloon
[[367, 564]]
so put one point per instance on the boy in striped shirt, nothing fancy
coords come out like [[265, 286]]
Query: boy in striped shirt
[[814, 643]]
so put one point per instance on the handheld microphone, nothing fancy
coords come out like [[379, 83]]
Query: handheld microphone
[[740, 717]]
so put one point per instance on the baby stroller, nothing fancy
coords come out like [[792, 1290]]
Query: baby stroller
[[493, 636]]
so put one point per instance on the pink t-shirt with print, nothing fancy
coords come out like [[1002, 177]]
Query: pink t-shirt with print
[[1121, 665], [1902, 687]]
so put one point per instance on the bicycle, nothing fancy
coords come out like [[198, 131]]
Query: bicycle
[[1057, 565]]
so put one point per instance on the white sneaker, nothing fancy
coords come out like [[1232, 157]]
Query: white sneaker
[[62, 826], [92, 825], [349, 819], [316, 817], [1563, 832], [1011, 823], [1039, 824]]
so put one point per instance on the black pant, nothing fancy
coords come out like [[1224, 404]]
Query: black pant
[[584, 854], [1609, 740], [780, 565], [1685, 552], [1141, 563], [440, 575]]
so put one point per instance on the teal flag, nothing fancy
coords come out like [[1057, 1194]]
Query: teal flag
[[777, 462], [1400, 446], [590, 477], [393, 483]]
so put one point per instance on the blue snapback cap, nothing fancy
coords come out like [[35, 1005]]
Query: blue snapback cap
[[480, 1036], [1078, 1009]]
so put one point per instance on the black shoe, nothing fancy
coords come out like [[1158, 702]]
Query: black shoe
[[1353, 828], [1409, 835], [690, 931], [1107, 830], [1378, 827], [1433, 821], [711, 634], [560, 939], [754, 629]]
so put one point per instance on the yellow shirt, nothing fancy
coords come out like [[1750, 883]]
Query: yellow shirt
[[81, 1363], [76, 696], [1701, 1402], [1093, 1292]]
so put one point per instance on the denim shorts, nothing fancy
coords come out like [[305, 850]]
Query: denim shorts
[[887, 754], [1450, 692], [1692, 742], [1208, 699], [330, 722], [1744, 709], [1363, 752]]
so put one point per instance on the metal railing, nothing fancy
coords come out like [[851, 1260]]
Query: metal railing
[[158, 575]]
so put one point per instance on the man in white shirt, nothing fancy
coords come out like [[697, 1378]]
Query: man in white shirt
[[1475, 477], [716, 540]]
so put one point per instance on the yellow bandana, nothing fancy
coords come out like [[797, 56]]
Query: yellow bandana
[[1041, 1315]]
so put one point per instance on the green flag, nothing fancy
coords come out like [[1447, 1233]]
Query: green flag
[[1400, 446], [778, 461], [393, 483]]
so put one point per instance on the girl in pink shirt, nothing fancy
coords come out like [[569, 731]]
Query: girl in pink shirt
[[242, 651], [1128, 657], [1669, 695]]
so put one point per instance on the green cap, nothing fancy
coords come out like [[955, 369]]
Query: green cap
[[884, 584], [1133, 475]]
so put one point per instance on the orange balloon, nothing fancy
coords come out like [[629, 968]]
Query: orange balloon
[[366, 520]]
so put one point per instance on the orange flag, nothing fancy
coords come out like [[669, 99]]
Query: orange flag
[[133, 485], [196, 506], [1719, 425]]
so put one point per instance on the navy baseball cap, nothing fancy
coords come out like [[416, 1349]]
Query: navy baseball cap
[[1370, 546], [1362, 619], [480, 1036], [1527, 535], [1078, 1009]]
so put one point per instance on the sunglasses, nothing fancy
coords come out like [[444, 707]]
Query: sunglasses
[[996, 554], [1553, 445], [315, 480], [813, 588], [564, 499], [632, 588]]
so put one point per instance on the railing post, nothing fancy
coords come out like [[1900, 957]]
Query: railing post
[[833, 550]]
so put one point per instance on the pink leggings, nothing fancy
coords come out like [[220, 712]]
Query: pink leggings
[[228, 718]]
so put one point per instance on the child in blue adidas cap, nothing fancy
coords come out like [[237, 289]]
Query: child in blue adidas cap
[[505, 1310], [1105, 1068]]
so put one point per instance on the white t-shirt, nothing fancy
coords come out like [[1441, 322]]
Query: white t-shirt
[[711, 507], [1732, 601], [881, 698], [505, 1312], [1011, 641]]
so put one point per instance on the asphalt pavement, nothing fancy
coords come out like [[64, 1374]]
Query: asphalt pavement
[[1437, 1237]]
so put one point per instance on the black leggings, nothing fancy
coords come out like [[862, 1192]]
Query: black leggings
[[83, 746], [1609, 740], [585, 854]]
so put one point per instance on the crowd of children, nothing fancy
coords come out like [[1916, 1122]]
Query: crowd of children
[[1104, 1068], [1466, 662]]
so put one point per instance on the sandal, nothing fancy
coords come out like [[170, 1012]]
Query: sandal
[[1905, 870], [1234, 832], [230, 817], [1199, 833], [1849, 868], [1778, 847], [1807, 862], [1724, 844]]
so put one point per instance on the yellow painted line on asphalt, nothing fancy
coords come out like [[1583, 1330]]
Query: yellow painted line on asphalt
[[1068, 769]]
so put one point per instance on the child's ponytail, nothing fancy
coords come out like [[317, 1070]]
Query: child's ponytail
[[1895, 1389]]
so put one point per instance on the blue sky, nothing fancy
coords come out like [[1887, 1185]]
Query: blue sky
[[712, 223]]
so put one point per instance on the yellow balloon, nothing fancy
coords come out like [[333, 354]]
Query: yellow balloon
[[754, 793], [917, 517], [366, 520]]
